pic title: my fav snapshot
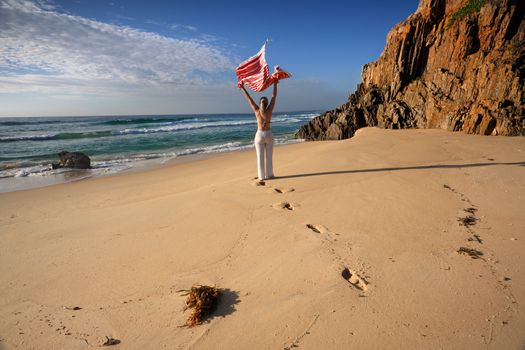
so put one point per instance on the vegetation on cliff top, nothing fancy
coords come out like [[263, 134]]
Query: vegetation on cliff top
[[471, 7]]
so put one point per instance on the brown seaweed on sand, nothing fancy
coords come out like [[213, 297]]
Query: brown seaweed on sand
[[203, 300]]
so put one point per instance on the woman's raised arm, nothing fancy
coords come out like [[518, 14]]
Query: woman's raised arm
[[274, 97], [249, 98]]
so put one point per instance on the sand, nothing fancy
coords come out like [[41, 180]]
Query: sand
[[354, 245]]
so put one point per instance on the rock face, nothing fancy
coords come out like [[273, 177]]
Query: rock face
[[74, 160], [462, 76]]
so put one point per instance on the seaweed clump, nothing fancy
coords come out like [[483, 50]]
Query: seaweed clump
[[203, 300]]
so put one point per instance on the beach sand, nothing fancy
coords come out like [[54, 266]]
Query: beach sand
[[357, 244]]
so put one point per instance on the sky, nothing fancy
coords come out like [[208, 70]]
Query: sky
[[100, 57]]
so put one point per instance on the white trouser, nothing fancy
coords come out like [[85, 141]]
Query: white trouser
[[264, 148]]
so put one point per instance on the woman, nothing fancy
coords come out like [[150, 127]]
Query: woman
[[264, 137]]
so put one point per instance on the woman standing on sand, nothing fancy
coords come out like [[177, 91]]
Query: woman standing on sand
[[264, 137]]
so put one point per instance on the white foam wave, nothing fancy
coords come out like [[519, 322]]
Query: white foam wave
[[27, 138], [125, 162], [190, 126], [225, 147], [308, 115], [286, 141], [115, 165], [285, 120], [27, 171]]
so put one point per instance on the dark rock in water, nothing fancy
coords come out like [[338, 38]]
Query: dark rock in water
[[461, 75], [74, 160]]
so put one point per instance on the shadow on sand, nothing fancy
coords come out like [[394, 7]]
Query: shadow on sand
[[417, 167], [227, 302]]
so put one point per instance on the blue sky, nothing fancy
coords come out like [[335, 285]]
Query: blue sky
[[91, 57]]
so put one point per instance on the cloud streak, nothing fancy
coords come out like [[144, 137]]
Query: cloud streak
[[62, 50]]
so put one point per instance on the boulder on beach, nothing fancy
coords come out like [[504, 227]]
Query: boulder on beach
[[74, 160]]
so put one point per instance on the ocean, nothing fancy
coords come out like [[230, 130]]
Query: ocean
[[28, 146]]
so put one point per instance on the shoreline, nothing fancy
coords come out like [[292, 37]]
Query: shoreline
[[13, 184], [117, 144], [393, 238]]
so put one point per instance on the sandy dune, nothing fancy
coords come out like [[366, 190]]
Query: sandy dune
[[354, 245]]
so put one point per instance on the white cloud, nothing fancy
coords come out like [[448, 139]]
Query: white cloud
[[64, 51], [55, 63]]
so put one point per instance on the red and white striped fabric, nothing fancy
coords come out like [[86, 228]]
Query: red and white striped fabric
[[254, 72]]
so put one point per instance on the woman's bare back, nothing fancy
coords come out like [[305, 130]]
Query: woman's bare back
[[263, 114], [263, 119]]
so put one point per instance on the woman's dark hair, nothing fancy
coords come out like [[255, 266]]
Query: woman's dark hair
[[263, 103]]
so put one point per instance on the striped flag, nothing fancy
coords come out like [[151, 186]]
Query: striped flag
[[254, 72]]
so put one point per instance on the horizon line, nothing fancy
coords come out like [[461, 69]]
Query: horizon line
[[154, 114]]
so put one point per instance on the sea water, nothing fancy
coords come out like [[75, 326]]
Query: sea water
[[28, 146]]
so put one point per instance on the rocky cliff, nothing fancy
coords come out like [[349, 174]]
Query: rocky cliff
[[446, 66]]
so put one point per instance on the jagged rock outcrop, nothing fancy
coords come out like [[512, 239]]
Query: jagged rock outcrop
[[74, 160], [465, 76]]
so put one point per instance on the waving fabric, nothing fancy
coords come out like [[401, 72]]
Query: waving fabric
[[254, 72]]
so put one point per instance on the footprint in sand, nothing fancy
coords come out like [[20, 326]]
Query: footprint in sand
[[283, 190], [327, 235], [350, 275], [473, 253], [475, 238], [353, 278], [284, 205], [317, 228]]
